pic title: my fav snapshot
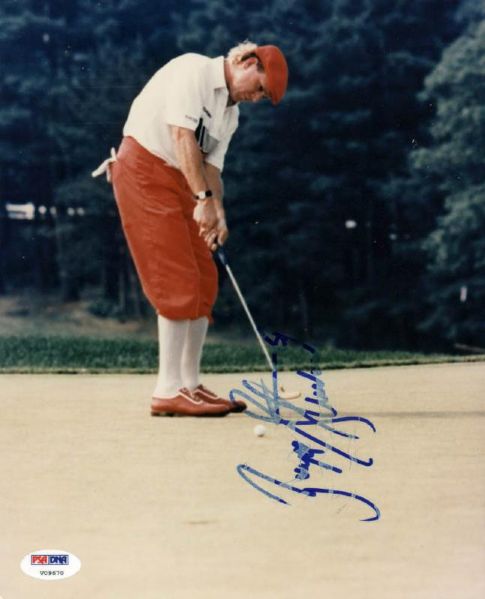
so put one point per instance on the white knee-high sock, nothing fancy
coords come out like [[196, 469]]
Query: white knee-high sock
[[171, 339], [192, 353]]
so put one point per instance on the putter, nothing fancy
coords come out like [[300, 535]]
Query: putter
[[223, 258]]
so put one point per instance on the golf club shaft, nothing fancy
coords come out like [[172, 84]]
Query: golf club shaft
[[223, 259]]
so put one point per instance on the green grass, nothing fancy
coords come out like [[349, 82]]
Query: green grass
[[38, 354]]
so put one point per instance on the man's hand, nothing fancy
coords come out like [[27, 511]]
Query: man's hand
[[222, 230], [218, 234], [205, 216]]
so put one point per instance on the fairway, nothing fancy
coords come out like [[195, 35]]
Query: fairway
[[155, 508]]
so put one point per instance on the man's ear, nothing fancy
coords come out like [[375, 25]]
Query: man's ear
[[250, 61]]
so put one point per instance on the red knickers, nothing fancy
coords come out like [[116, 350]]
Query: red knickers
[[175, 266]]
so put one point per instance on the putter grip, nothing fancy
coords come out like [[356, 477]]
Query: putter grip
[[222, 256]]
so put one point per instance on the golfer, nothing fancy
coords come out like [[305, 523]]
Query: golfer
[[168, 188]]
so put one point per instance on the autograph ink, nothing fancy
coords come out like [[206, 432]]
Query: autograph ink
[[314, 425]]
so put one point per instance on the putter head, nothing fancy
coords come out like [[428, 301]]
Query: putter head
[[288, 394]]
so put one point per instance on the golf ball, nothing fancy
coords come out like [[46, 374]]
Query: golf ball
[[259, 430]]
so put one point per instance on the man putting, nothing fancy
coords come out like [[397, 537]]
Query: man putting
[[168, 187]]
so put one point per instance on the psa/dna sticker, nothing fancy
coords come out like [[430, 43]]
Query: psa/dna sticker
[[50, 564]]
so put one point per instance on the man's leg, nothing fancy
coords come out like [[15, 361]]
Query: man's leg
[[170, 395], [155, 206], [192, 352], [171, 339]]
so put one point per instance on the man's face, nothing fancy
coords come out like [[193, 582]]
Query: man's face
[[248, 82]]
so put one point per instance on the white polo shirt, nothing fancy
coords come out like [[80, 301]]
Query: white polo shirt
[[190, 91]]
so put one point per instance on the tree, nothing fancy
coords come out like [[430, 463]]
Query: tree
[[125, 50], [454, 160], [88, 230], [69, 72], [327, 155], [30, 41], [334, 152]]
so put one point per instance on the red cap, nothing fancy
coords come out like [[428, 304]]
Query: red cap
[[276, 69]]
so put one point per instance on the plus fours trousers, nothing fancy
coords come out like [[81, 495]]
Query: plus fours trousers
[[176, 268]]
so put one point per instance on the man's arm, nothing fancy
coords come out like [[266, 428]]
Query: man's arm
[[214, 180], [190, 157], [192, 166]]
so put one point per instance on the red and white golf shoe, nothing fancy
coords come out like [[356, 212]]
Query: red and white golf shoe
[[205, 394], [187, 404]]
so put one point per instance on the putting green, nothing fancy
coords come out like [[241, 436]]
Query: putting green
[[154, 507]]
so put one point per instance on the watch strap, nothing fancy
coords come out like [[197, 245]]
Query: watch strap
[[203, 195]]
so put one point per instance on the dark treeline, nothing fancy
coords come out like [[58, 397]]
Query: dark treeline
[[356, 207]]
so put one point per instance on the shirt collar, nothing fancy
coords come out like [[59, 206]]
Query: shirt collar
[[217, 73]]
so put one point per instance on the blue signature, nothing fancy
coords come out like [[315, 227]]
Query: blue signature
[[321, 415]]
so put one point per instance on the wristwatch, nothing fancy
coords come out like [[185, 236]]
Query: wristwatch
[[202, 195]]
